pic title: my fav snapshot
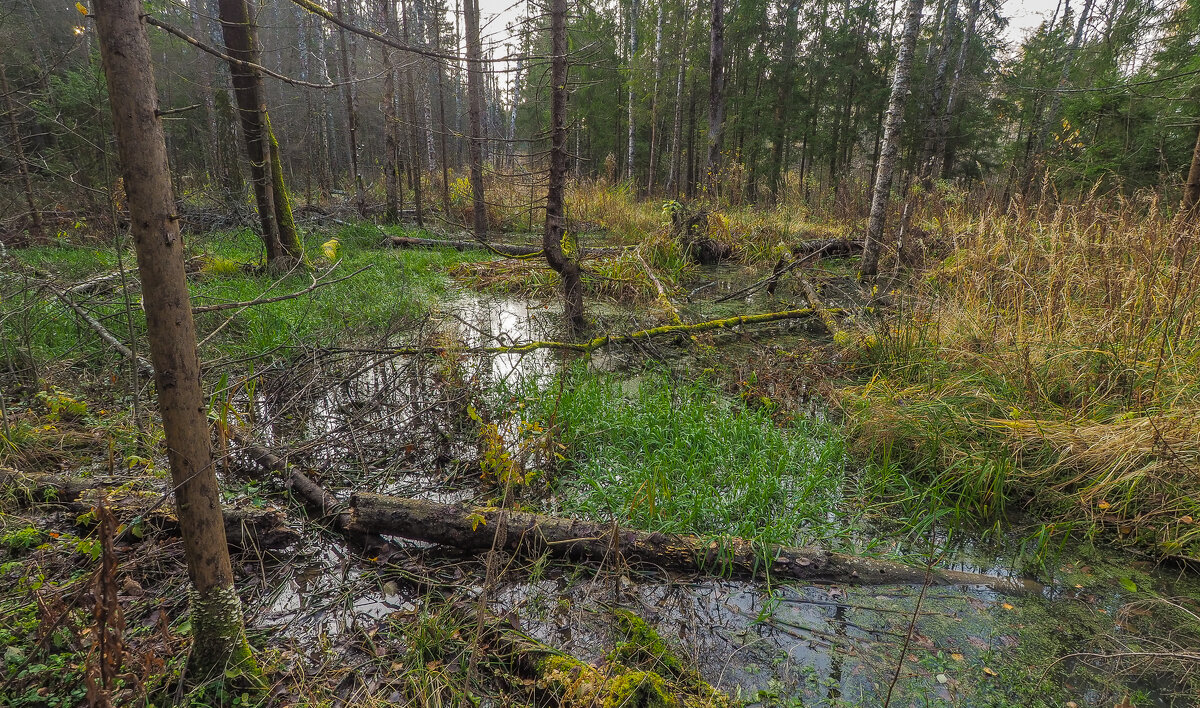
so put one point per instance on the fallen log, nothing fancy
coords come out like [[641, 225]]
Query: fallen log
[[245, 528], [502, 249], [828, 247], [474, 529], [320, 503]]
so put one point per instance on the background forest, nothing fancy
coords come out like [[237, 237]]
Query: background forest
[[1101, 98]]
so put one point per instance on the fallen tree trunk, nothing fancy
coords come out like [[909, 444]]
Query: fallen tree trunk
[[245, 528], [475, 529], [316, 500], [502, 249], [828, 247]]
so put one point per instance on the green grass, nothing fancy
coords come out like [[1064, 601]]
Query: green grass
[[397, 284], [683, 457]]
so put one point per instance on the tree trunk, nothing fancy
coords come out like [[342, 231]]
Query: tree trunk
[[1064, 79], [266, 171], [562, 251], [441, 91], [511, 151], [631, 139], [475, 110], [783, 101], [658, 32], [391, 175], [212, 149], [414, 131], [674, 178], [925, 165], [1191, 190], [716, 93], [36, 229], [351, 116], [940, 165], [890, 145], [220, 648], [474, 529]]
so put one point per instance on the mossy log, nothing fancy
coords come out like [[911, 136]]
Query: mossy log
[[474, 529], [245, 528]]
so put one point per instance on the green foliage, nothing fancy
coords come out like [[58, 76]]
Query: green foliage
[[680, 456]]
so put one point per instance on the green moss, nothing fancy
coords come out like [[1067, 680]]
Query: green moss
[[638, 689], [643, 646]]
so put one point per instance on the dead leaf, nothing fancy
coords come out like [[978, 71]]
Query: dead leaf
[[956, 656], [989, 672]]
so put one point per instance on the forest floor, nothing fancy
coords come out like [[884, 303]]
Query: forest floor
[[1020, 401]]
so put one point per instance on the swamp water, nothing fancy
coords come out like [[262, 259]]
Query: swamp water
[[766, 643]]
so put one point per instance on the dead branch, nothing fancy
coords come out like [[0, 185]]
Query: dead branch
[[317, 284], [143, 366]]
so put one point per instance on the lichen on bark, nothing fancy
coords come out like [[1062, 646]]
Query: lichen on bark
[[221, 648]]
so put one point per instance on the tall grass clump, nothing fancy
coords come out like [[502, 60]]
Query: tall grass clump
[[675, 456], [1048, 363]]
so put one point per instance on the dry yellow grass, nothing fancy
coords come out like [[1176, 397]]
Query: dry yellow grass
[[1059, 350]]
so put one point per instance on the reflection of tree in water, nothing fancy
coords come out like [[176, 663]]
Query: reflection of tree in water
[[835, 654]]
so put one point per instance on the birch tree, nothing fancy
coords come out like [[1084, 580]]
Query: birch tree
[[890, 145]]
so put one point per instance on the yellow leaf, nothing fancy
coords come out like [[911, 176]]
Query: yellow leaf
[[956, 656], [989, 672], [1103, 505], [330, 249], [82, 10], [477, 520], [1006, 606]]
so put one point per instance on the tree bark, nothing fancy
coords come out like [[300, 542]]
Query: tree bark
[[1191, 190], [925, 165], [940, 164], [653, 168], [414, 130], [36, 229], [441, 93], [716, 93], [391, 175], [220, 645], [631, 138], [351, 115], [562, 250], [783, 101], [474, 529], [890, 146], [475, 111], [270, 192], [675, 171]]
